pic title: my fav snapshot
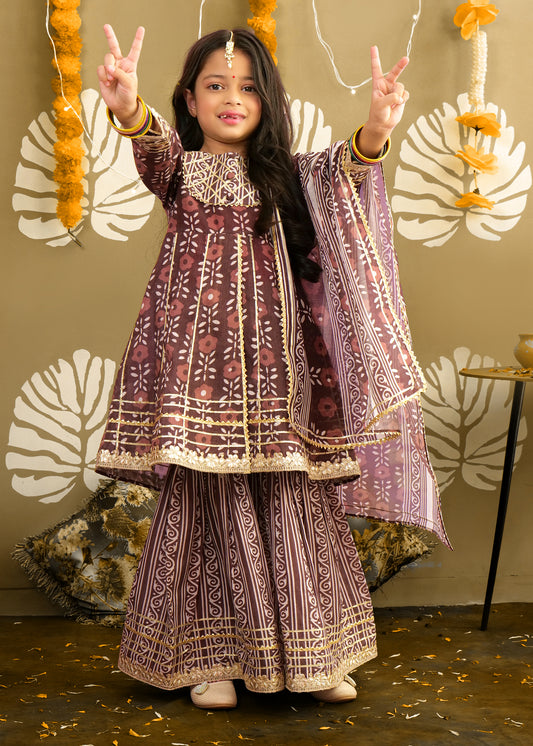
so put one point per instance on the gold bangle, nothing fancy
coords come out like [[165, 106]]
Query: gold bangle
[[363, 158], [127, 130], [145, 127]]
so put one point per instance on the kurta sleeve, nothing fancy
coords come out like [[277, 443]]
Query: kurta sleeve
[[320, 164], [158, 157]]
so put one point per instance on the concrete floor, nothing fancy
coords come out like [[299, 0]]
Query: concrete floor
[[438, 680]]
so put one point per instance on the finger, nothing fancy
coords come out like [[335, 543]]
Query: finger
[[398, 88], [395, 100], [375, 64], [112, 41], [398, 68], [135, 51], [400, 101], [123, 78], [102, 74], [109, 65], [104, 77]]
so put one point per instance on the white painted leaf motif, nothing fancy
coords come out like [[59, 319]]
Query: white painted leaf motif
[[59, 419], [311, 134], [466, 421], [115, 202], [430, 179]]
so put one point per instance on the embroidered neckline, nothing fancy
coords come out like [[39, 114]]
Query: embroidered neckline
[[201, 154], [218, 179]]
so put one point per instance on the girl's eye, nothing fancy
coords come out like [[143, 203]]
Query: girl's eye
[[250, 89], [215, 86]]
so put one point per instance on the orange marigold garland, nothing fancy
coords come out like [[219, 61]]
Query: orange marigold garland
[[66, 84], [469, 17], [264, 25]]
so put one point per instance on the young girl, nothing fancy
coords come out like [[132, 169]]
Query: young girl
[[268, 385]]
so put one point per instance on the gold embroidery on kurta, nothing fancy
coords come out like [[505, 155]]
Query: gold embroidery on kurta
[[229, 463], [226, 185]]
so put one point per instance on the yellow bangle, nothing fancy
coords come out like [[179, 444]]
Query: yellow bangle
[[363, 158], [128, 130]]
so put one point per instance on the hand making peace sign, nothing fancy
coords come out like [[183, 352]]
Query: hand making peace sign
[[388, 96], [118, 76], [388, 99]]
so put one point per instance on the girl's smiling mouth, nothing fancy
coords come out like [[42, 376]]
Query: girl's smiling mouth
[[231, 117]]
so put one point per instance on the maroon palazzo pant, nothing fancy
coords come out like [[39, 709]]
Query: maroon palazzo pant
[[252, 577]]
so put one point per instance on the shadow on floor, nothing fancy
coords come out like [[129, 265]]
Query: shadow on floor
[[438, 680]]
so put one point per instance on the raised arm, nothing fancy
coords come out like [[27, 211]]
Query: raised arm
[[118, 78], [387, 104]]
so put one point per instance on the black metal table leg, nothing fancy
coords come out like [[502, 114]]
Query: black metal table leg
[[512, 436]]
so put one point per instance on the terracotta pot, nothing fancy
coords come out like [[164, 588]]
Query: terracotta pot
[[523, 351]]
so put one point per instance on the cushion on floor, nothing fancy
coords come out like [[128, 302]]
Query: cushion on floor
[[86, 563], [385, 548]]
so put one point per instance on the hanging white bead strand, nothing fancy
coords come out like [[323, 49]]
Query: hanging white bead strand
[[476, 91], [200, 18], [329, 51]]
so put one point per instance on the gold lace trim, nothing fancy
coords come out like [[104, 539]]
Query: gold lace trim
[[231, 464], [275, 682]]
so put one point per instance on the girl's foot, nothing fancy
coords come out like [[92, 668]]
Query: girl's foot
[[344, 692], [217, 695]]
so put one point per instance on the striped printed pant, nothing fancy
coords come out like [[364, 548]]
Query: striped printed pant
[[253, 577]]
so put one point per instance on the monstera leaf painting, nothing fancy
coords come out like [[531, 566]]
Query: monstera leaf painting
[[311, 134], [430, 179], [115, 202], [466, 421], [58, 423]]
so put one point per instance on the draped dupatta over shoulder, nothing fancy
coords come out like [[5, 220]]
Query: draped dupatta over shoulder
[[359, 309]]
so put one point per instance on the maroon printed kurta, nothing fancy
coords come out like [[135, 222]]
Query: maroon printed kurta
[[204, 381]]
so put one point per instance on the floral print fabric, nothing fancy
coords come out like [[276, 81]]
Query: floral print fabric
[[204, 381]]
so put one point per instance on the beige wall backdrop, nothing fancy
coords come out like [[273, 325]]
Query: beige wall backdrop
[[67, 311]]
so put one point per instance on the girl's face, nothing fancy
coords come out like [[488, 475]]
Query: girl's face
[[226, 103]]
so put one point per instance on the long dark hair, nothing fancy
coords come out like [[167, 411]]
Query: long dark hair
[[270, 166]]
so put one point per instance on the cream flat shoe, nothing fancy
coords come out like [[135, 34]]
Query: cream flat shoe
[[344, 692], [215, 695]]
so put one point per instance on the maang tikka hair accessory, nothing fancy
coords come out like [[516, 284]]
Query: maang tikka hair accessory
[[229, 54]]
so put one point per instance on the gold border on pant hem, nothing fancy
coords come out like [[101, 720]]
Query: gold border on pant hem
[[277, 682]]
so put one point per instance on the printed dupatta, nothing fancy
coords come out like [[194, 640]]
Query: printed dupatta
[[359, 309]]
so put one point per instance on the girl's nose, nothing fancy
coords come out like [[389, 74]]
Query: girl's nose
[[234, 96]]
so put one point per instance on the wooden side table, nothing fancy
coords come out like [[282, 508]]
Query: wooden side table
[[519, 377]]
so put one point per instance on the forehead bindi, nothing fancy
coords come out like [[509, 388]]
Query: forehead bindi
[[216, 66]]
